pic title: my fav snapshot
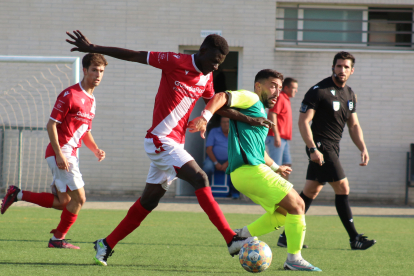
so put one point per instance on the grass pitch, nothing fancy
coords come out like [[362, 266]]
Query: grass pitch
[[173, 243]]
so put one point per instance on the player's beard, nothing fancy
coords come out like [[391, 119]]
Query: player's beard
[[265, 100], [338, 80]]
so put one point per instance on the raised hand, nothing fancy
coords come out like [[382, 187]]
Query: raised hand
[[80, 41]]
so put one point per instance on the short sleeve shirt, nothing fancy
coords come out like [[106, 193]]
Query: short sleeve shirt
[[246, 142], [283, 109], [181, 85], [73, 111], [333, 106], [219, 142]]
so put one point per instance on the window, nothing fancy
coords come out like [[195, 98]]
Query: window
[[348, 26], [390, 27]]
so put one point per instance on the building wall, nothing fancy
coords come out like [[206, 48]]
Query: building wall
[[126, 95], [353, 2], [383, 85]]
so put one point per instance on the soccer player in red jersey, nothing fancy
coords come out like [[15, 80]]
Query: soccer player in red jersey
[[185, 78], [70, 122]]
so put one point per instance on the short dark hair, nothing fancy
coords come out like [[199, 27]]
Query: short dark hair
[[267, 73], [215, 41], [94, 58], [288, 81], [344, 55]]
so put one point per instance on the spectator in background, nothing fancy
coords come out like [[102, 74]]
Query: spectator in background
[[216, 149], [280, 133]]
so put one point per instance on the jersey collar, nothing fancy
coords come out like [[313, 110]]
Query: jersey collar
[[195, 66], [86, 93]]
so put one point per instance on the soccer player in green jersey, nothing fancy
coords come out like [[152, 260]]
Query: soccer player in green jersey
[[254, 173]]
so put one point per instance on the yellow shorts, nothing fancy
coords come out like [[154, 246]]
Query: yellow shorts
[[262, 185]]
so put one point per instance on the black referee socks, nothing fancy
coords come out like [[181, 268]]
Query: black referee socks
[[345, 213]]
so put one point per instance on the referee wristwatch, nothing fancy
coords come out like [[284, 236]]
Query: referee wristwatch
[[312, 150]]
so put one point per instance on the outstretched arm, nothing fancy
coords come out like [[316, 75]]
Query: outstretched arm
[[235, 115], [355, 131], [200, 123], [84, 45], [90, 144]]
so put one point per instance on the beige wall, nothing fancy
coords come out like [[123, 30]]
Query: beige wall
[[126, 94], [383, 85], [353, 2]]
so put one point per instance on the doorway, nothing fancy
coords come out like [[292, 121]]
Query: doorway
[[225, 78]]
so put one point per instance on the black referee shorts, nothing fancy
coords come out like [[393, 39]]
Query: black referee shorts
[[331, 170]]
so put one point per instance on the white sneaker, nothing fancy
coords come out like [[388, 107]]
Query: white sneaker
[[301, 265], [237, 243], [103, 251], [243, 232]]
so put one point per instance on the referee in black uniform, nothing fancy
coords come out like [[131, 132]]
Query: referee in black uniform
[[329, 105]]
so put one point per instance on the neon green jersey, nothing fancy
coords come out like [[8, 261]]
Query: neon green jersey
[[246, 142]]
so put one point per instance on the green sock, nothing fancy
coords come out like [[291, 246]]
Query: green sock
[[295, 229], [266, 224]]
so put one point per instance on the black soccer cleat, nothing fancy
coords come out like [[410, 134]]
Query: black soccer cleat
[[237, 243], [9, 198], [283, 243], [361, 242]]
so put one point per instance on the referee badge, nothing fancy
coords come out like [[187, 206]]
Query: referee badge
[[336, 105], [350, 105], [303, 108]]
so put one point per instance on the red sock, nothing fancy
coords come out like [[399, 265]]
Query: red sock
[[212, 209], [136, 214], [67, 219], [41, 199]]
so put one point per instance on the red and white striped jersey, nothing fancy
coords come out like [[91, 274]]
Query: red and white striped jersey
[[74, 110], [181, 85]]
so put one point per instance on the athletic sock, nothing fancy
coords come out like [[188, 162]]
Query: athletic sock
[[67, 219], [308, 202], [345, 214], [295, 227], [266, 223], [294, 257], [211, 208], [136, 214], [245, 232], [41, 199]]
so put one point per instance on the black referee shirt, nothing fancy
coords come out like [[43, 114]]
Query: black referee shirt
[[332, 105]]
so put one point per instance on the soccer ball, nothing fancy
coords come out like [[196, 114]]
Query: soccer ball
[[255, 256]]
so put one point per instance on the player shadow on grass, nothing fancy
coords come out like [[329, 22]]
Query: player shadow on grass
[[41, 241], [42, 264], [125, 243], [141, 267]]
